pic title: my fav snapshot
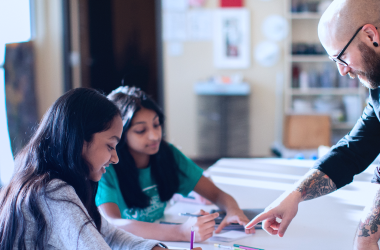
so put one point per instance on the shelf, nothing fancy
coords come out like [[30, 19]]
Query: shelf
[[310, 58], [305, 15], [325, 91], [342, 125], [204, 88]]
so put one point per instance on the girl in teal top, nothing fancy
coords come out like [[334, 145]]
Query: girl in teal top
[[134, 192]]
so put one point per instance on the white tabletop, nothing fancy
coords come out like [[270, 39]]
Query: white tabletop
[[328, 222]]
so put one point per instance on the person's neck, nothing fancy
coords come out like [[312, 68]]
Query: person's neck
[[141, 160]]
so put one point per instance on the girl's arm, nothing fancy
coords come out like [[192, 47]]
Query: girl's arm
[[71, 227], [203, 226], [224, 201]]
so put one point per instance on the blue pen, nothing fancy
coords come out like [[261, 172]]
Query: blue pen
[[188, 214]]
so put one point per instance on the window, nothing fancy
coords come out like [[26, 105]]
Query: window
[[14, 27]]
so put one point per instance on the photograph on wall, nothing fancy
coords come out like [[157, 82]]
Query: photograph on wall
[[20, 95], [232, 38]]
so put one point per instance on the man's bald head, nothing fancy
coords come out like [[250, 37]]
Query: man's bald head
[[343, 17]]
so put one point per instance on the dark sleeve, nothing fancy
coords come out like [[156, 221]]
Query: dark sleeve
[[354, 152]]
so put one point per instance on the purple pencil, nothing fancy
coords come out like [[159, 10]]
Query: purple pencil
[[192, 238]]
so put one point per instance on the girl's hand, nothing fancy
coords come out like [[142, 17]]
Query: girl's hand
[[158, 248], [235, 216], [203, 226]]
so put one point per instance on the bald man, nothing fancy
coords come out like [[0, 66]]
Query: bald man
[[349, 31]]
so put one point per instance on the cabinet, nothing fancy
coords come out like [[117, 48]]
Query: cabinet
[[222, 120], [313, 84]]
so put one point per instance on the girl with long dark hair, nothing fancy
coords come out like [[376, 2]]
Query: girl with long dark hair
[[134, 192], [50, 201]]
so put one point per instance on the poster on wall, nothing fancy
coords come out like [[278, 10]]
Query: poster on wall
[[232, 38], [20, 94]]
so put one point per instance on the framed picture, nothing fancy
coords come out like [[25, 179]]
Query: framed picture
[[232, 38]]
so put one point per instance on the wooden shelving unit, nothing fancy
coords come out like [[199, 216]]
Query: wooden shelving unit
[[309, 58], [323, 91], [303, 16], [301, 32]]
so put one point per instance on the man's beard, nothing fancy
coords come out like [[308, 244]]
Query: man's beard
[[371, 66]]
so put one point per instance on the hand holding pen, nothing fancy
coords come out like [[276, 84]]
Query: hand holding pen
[[235, 216], [203, 226]]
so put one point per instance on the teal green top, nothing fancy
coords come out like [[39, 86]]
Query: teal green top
[[109, 190]]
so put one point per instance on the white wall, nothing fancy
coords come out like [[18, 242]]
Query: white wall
[[6, 156], [14, 27], [196, 63], [47, 36]]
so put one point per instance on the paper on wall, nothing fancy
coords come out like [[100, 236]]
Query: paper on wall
[[175, 5], [175, 48], [199, 24], [175, 26]]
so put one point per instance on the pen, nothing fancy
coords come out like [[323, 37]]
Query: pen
[[222, 246], [246, 247], [188, 214], [192, 239]]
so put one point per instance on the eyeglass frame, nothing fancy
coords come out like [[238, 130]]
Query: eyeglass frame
[[337, 59]]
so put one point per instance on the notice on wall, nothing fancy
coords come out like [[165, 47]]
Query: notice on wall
[[175, 49], [199, 25], [175, 5], [175, 26]]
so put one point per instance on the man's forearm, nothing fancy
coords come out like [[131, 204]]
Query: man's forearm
[[368, 232], [315, 184]]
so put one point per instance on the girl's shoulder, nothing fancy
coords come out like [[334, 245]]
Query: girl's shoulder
[[109, 176], [59, 188], [174, 149]]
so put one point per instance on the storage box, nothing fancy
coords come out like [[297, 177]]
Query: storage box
[[307, 131]]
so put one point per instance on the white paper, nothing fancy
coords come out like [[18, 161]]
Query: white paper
[[175, 26], [175, 48], [267, 53], [231, 38], [175, 5], [275, 28], [6, 160], [199, 24], [229, 236]]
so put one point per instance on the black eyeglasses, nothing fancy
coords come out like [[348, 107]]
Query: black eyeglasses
[[337, 58]]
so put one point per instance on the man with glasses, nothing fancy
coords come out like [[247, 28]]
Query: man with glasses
[[348, 32]]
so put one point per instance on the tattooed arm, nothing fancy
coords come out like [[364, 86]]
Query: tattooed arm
[[368, 233], [314, 184]]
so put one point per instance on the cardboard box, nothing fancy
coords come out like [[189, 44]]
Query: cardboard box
[[307, 131]]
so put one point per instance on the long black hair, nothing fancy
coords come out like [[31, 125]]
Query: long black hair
[[54, 152], [164, 169]]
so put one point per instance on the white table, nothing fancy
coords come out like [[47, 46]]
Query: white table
[[328, 222]]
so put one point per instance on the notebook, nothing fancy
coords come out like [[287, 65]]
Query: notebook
[[250, 213], [229, 236]]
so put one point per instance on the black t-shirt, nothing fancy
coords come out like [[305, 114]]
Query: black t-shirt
[[358, 149]]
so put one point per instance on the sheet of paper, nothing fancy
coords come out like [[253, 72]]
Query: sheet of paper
[[229, 236], [175, 5], [177, 248], [175, 26], [175, 48], [199, 24]]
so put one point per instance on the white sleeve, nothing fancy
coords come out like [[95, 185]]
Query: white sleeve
[[119, 239], [71, 228]]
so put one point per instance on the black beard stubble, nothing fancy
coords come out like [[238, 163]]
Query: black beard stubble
[[371, 65]]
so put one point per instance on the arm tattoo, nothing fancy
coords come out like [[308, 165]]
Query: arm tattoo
[[316, 185], [372, 221]]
